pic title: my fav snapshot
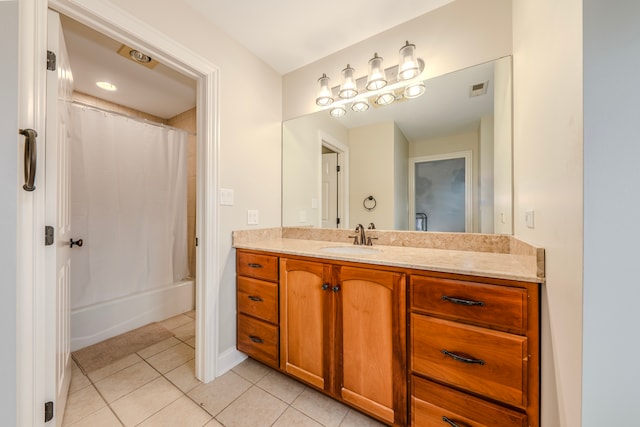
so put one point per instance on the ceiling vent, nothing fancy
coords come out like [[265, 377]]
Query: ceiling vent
[[478, 89]]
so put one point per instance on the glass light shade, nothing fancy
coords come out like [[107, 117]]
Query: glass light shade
[[414, 90], [325, 96], [385, 98], [338, 111], [376, 78], [348, 87], [360, 106], [408, 67]]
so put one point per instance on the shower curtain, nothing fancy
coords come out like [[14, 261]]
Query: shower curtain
[[129, 205]]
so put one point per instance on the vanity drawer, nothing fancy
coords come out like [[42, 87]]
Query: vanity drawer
[[257, 266], [258, 339], [483, 361], [258, 298], [432, 404], [502, 307]]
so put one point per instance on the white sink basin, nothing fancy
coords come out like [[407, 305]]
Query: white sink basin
[[350, 250]]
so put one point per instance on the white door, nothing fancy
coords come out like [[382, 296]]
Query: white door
[[329, 190], [57, 215]]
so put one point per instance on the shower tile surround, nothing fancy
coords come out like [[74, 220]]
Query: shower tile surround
[[157, 387], [185, 121], [492, 255]]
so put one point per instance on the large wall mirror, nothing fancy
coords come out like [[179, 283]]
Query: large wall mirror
[[440, 162]]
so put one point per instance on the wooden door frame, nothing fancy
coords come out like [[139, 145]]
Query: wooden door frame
[[31, 303]]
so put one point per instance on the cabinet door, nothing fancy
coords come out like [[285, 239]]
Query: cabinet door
[[305, 316], [371, 336]]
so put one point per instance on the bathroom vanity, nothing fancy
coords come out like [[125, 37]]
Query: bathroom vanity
[[414, 331]]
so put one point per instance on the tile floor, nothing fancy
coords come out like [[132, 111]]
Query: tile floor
[[157, 387]]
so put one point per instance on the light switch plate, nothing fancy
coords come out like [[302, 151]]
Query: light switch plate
[[226, 197], [528, 218], [252, 217]]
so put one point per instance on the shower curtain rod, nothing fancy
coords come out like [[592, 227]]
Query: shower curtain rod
[[137, 119]]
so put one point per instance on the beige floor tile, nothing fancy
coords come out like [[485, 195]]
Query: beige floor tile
[[183, 412], [78, 379], [102, 418], [191, 342], [175, 321], [186, 331], [321, 408], [172, 357], [255, 408], [145, 401], [125, 381], [184, 376], [357, 419], [217, 394], [82, 403], [116, 366], [251, 370], [213, 423], [294, 418], [191, 313], [281, 386], [158, 347]]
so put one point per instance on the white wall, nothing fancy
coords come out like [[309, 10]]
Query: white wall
[[502, 147], [371, 174], [9, 186], [400, 180], [611, 373], [485, 175], [250, 132], [455, 36], [301, 166], [547, 60]]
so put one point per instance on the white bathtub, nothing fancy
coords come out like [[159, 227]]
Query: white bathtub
[[95, 323]]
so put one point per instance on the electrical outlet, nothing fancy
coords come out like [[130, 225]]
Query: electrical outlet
[[252, 217]]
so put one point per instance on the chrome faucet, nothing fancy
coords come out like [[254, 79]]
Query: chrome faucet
[[359, 238]]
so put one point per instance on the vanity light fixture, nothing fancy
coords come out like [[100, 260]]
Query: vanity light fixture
[[348, 89], [325, 97], [338, 111], [380, 86], [360, 105]]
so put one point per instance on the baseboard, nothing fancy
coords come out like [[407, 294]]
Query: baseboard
[[228, 359]]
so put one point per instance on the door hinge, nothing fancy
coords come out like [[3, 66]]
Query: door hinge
[[51, 61], [48, 235], [338, 168], [196, 241], [48, 411], [337, 221]]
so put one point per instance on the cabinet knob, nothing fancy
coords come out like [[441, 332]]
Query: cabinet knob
[[325, 286], [336, 288]]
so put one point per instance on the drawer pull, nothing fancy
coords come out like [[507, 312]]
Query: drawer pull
[[462, 301], [462, 359], [450, 422], [254, 265], [255, 298], [256, 339]]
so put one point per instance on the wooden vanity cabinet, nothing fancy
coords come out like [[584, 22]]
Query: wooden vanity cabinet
[[343, 331], [474, 352], [257, 306]]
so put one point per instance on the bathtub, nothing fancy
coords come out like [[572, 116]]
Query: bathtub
[[94, 323]]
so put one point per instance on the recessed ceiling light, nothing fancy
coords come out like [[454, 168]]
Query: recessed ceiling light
[[107, 86]]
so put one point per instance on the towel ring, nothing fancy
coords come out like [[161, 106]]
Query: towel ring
[[369, 203]]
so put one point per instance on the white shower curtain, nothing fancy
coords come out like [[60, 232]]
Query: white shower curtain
[[129, 205]]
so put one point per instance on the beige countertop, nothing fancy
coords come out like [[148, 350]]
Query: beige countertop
[[523, 265]]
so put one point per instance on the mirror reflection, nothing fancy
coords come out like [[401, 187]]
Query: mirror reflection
[[440, 162]]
